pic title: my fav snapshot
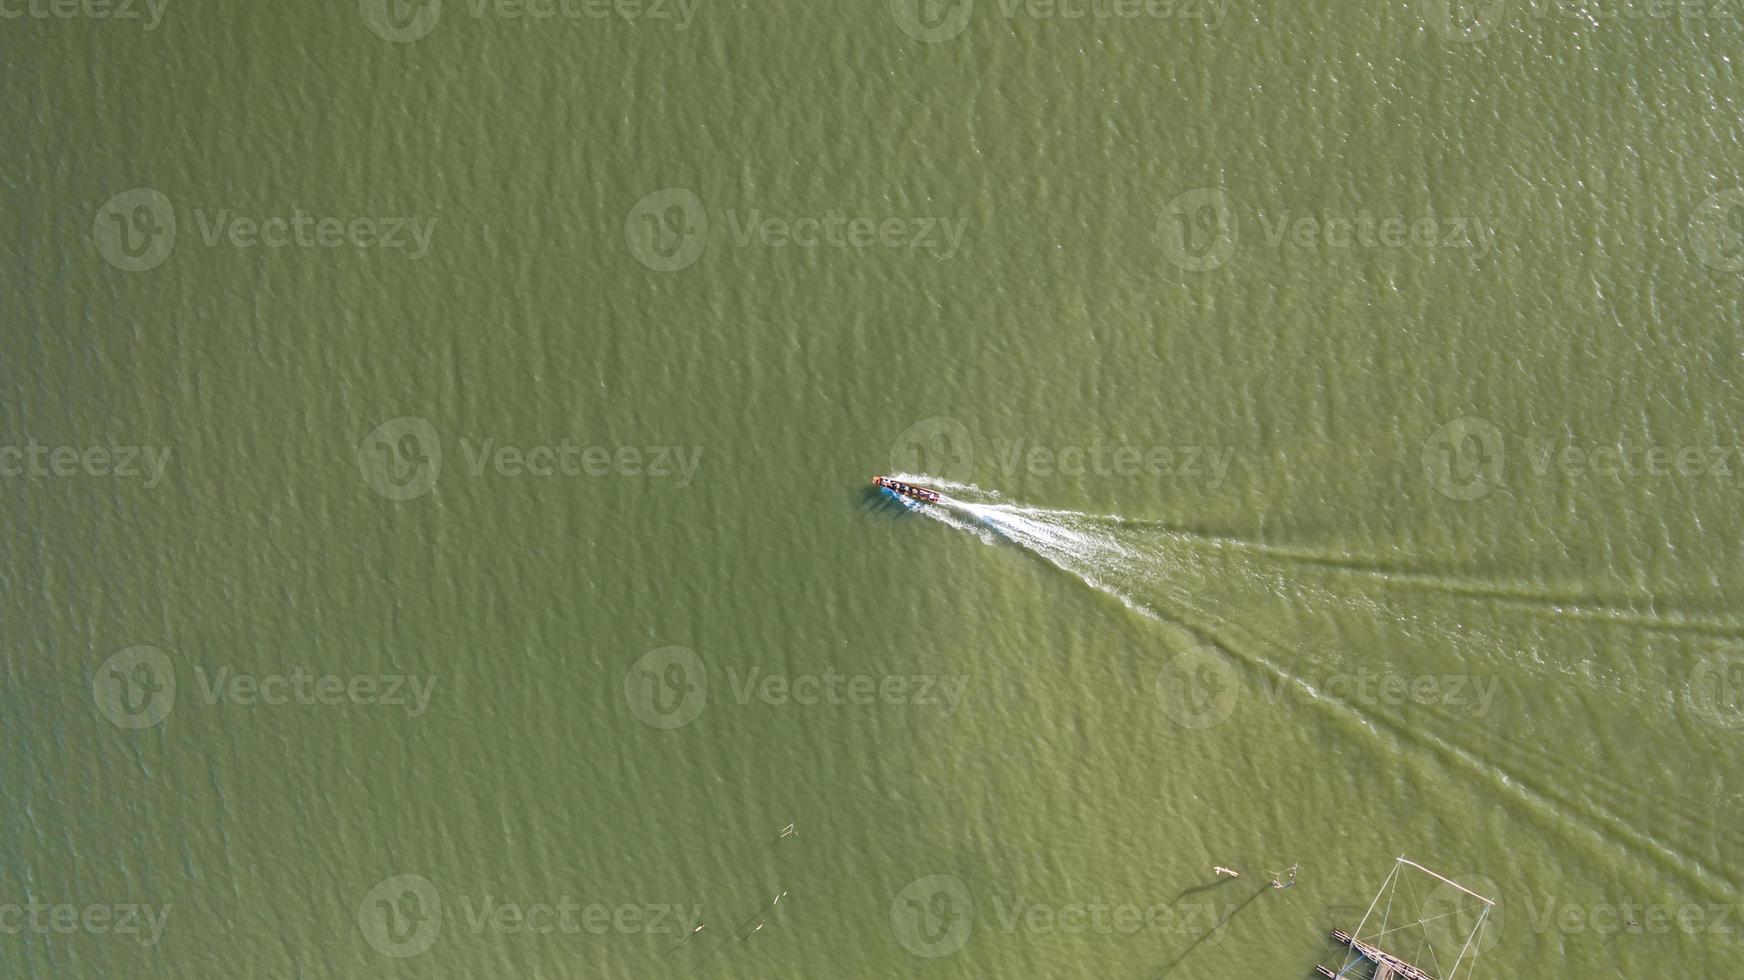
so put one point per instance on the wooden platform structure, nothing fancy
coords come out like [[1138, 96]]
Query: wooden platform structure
[[1387, 966], [1365, 961]]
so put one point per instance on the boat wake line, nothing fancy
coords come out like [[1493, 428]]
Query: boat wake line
[[991, 518], [1176, 576]]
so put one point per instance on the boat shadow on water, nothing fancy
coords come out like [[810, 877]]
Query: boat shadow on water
[[877, 500]]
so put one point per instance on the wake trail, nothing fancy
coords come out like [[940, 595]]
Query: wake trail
[[1640, 611], [1091, 548], [1160, 586]]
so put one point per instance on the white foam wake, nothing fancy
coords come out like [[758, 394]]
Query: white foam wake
[[1171, 575], [1210, 585]]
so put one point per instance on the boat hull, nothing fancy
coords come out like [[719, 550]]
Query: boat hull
[[909, 490]]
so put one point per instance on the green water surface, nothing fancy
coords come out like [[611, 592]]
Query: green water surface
[[606, 408]]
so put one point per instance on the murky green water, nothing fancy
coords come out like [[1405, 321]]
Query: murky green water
[[436, 542]]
